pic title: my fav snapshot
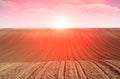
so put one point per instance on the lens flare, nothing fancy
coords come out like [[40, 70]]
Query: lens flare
[[61, 22]]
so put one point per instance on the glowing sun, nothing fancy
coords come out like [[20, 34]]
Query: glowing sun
[[61, 22]]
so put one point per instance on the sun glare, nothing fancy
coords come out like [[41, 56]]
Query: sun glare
[[61, 22]]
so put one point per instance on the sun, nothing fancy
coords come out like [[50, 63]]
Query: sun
[[61, 21]]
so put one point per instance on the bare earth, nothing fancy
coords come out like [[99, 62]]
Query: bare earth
[[60, 54]]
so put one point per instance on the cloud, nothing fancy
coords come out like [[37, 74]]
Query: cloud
[[7, 4], [78, 1], [93, 1], [98, 8], [82, 6], [71, 1], [64, 8]]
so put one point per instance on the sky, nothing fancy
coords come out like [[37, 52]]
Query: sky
[[46, 13]]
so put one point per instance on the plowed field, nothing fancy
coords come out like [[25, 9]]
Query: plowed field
[[60, 54]]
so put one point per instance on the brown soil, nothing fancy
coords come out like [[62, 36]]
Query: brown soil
[[60, 54]]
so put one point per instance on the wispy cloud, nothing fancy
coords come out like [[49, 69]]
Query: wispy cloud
[[98, 8]]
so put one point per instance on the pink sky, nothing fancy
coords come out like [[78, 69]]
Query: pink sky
[[39, 13]]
